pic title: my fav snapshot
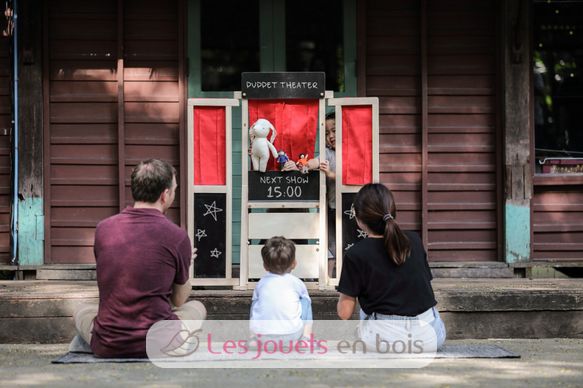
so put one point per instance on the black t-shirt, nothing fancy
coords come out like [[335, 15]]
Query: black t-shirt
[[383, 287]]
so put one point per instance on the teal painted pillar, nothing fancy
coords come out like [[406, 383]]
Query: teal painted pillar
[[30, 231], [517, 226], [517, 130]]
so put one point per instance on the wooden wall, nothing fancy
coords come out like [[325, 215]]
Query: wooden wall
[[433, 65], [113, 73], [114, 98], [557, 222]]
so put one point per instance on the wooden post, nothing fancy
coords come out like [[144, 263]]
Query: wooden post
[[517, 129], [30, 185]]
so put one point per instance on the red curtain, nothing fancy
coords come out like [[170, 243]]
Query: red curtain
[[356, 145], [296, 123], [209, 145]]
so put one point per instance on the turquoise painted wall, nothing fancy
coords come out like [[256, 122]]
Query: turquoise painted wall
[[30, 231], [517, 232]]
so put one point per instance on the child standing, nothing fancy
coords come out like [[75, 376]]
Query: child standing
[[280, 296]]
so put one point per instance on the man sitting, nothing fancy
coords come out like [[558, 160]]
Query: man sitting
[[143, 262]]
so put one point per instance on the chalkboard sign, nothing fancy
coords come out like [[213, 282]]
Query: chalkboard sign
[[283, 85], [351, 233], [209, 235], [284, 186]]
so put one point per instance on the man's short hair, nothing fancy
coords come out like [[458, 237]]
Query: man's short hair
[[278, 255], [150, 178], [331, 116]]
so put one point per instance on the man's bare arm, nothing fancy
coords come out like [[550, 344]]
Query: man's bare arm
[[180, 293]]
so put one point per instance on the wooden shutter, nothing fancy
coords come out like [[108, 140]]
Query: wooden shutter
[[210, 189]]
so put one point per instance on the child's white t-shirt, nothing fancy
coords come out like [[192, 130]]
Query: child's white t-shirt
[[277, 298]]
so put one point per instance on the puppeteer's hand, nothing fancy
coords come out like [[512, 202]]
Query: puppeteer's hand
[[325, 168], [289, 166], [194, 255]]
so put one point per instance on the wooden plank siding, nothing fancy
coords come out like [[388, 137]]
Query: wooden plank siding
[[5, 150], [432, 64], [462, 148], [557, 222], [393, 74], [115, 97], [113, 100]]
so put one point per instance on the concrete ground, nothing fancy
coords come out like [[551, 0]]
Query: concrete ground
[[544, 362]]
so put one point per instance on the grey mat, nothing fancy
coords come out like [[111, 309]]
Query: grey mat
[[80, 353], [447, 351], [88, 358]]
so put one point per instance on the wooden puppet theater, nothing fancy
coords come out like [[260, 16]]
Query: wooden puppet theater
[[291, 109]]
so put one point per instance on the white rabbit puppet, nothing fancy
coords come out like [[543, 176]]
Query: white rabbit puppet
[[260, 146]]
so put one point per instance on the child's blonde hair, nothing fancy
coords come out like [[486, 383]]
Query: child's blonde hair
[[278, 255]]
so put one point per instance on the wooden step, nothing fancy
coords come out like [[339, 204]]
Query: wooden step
[[439, 270]]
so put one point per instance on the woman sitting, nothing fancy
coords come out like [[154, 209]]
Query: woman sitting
[[388, 273]]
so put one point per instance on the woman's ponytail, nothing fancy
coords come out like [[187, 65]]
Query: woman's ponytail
[[396, 242]]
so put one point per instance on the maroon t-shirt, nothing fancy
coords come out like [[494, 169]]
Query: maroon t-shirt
[[140, 254]]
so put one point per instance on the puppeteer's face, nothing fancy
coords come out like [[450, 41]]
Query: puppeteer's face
[[331, 133]]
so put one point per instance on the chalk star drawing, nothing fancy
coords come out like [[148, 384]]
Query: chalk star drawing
[[361, 233], [212, 210], [350, 213], [200, 233], [348, 246], [216, 253]]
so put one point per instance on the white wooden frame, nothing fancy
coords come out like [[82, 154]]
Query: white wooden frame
[[227, 103], [339, 103], [244, 282]]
